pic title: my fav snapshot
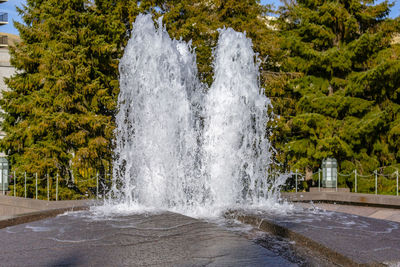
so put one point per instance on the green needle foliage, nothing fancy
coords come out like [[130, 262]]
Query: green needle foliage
[[59, 111], [331, 68], [346, 102], [198, 21]]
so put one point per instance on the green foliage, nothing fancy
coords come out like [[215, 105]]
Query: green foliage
[[331, 69], [59, 111], [346, 102], [197, 21]]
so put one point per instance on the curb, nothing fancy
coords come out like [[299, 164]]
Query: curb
[[356, 199], [36, 216], [269, 226]]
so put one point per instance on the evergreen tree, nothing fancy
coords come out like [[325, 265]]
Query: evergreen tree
[[198, 21], [345, 104], [332, 74], [59, 110]]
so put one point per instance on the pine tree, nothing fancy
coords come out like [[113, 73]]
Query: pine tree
[[59, 110], [198, 21], [345, 104]]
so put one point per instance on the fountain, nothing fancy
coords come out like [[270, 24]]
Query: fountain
[[180, 146], [236, 147], [184, 147], [156, 146]]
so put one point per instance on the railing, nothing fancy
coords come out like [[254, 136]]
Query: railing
[[35, 179], [355, 176], [3, 17]]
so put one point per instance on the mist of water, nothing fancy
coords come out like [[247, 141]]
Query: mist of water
[[178, 147]]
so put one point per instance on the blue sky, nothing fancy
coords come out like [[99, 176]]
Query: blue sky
[[9, 7]]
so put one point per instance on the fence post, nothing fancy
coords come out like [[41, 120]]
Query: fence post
[[296, 180], [25, 184], [48, 189], [36, 185], [15, 182], [337, 178], [397, 182], [319, 179], [57, 188], [355, 177], [376, 182], [2, 182], [97, 186]]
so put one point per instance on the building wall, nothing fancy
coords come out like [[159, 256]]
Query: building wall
[[6, 71]]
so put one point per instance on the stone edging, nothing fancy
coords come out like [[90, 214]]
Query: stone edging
[[357, 199], [301, 240], [36, 216]]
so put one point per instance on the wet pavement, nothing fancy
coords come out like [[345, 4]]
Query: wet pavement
[[345, 239], [389, 214], [164, 239]]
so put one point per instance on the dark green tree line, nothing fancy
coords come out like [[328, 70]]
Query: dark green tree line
[[331, 69], [345, 104], [59, 111]]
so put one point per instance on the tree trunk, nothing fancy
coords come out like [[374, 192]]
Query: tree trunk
[[309, 173], [308, 178]]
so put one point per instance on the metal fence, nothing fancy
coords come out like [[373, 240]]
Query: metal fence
[[14, 178], [298, 177], [375, 175]]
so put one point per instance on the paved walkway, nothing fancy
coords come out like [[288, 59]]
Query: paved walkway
[[345, 239], [343, 197], [372, 212], [333, 232], [163, 239], [10, 206]]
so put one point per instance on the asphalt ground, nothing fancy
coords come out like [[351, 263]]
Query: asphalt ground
[[147, 239], [309, 235], [342, 238], [389, 214]]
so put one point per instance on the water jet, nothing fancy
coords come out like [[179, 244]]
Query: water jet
[[180, 145]]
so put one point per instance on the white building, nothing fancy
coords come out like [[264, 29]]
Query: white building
[[6, 70]]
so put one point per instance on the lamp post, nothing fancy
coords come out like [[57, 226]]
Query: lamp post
[[4, 174], [329, 173]]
